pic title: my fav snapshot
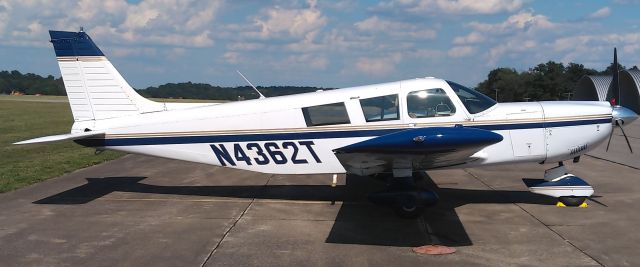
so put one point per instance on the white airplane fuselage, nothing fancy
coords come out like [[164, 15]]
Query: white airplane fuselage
[[271, 135], [409, 125], [399, 127]]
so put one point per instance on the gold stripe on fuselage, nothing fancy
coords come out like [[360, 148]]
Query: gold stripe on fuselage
[[83, 58], [362, 127]]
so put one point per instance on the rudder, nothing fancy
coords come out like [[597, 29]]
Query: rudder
[[95, 89]]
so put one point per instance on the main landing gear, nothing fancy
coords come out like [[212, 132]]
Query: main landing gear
[[569, 189], [405, 197]]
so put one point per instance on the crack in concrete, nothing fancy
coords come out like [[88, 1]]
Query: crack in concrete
[[430, 237], [226, 233], [614, 162]]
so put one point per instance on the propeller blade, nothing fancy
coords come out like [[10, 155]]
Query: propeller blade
[[615, 82], [625, 138], [610, 136], [622, 116]]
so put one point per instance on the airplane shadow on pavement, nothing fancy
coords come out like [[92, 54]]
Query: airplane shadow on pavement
[[357, 222]]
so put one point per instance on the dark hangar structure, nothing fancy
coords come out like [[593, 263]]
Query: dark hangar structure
[[602, 88]]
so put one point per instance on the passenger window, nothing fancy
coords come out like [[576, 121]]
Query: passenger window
[[380, 108], [328, 114], [429, 103]]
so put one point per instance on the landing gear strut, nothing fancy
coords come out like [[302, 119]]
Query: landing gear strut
[[404, 197]]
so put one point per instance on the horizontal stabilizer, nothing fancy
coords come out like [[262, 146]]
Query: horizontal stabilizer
[[60, 137]]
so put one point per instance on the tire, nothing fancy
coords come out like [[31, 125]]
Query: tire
[[409, 213], [572, 201], [407, 208]]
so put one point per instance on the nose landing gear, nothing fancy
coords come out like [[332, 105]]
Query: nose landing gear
[[569, 189]]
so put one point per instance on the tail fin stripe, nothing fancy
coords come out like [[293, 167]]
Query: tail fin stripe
[[73, 44]]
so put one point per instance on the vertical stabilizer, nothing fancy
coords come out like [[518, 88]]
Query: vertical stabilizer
[[95, 89]]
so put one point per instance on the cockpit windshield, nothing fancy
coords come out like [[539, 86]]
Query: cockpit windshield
[[474, 101]]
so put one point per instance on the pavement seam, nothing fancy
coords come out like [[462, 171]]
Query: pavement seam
[[429, 236], [541, 222], [611, 161], [226, 233]]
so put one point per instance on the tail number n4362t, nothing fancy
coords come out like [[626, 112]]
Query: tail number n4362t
[[231, 154]]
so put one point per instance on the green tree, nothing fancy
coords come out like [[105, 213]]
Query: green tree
[[547, 81], [510, 84], [610, 68]]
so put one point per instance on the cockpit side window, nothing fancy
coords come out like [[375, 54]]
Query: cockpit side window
[[381, 108], [474, 101], [335, 113], [429, 103]]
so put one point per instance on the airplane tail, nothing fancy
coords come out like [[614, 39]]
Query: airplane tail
[[95, 89]]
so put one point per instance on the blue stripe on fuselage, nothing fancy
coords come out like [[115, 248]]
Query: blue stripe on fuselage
[[166, 140]]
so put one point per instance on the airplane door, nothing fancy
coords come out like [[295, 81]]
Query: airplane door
[[529, 142]]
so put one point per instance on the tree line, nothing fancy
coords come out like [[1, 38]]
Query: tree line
[[32, 84], [546, 81], [207, 91]]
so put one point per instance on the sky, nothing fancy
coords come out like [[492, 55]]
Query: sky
[[319, 43]]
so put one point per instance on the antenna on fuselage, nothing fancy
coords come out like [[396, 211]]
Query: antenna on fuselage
[[252, 86]]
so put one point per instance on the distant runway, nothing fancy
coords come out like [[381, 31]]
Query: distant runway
[[143, 211], [63, 99], [30, 98]]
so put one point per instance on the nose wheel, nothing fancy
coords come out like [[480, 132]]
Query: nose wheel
[[570, 190], [572, 201]]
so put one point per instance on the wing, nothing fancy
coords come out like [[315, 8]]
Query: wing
[[424, 148]]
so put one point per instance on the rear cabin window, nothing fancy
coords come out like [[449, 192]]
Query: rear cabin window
[[381, 108], [335, 113], [429, 103]]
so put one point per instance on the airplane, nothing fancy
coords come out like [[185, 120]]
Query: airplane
[[396, 129]]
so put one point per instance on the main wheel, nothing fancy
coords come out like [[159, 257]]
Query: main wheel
[[572, 201], [407, 207]]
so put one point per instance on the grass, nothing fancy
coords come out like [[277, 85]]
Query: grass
[[34, 98], [22, 165], [26, 117]]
